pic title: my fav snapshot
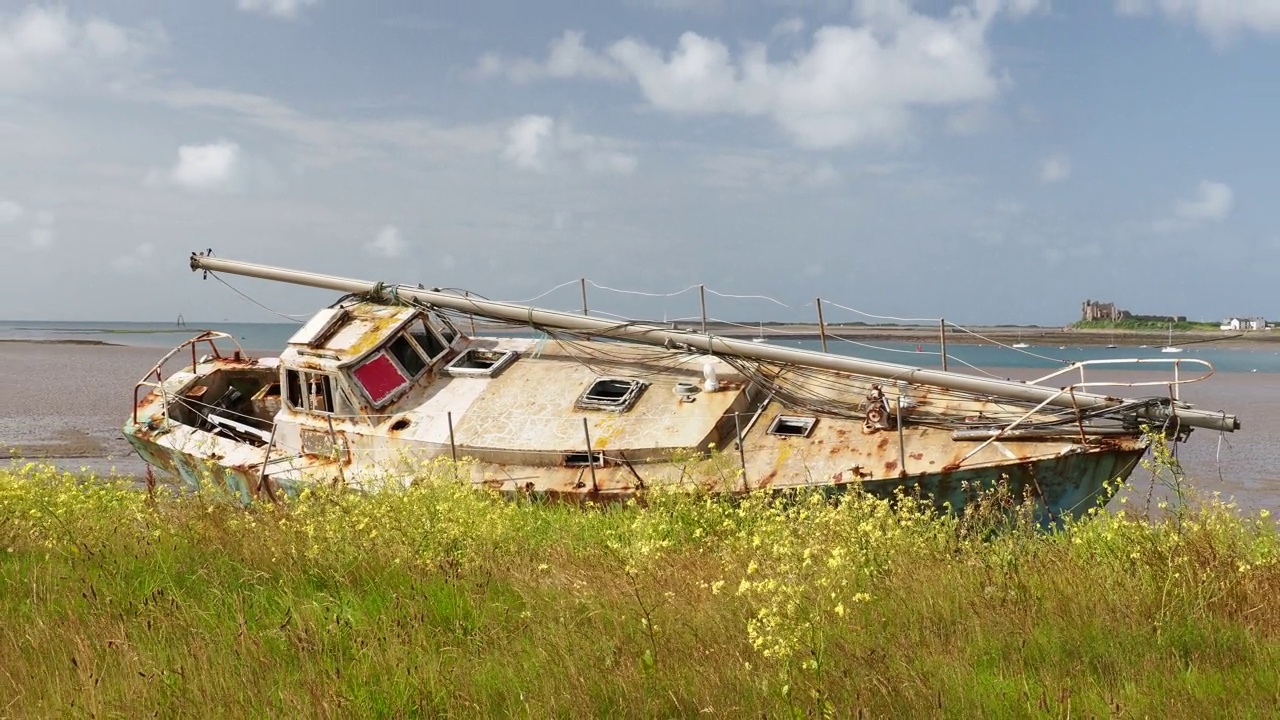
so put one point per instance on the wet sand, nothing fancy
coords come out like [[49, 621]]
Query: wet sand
[[65, 403]]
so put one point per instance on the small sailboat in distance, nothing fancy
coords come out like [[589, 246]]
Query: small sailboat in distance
[[759, 338], [1169, 348], [1020, 344]]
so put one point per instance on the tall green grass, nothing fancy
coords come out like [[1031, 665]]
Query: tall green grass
[[445, 601]]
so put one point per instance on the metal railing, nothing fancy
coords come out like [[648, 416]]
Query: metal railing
[[1173, 385], [208, 336]]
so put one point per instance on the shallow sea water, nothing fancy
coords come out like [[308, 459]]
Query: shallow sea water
[[1244, 465]]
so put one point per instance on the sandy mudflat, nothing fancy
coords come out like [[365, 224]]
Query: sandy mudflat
[[68, 401]]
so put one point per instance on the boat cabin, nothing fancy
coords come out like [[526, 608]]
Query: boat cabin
[[359, 358]]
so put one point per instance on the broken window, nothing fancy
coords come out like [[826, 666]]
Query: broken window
[[444, 327], [321, 393], [613, 394], [792, 426], [408, 356], [293, 382], [380, 377], [479, 363], [427, 339], [320, 396]]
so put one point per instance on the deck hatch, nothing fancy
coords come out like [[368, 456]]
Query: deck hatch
[[319, 327], [475, 362], [612, 394], [584, 460], [792, 426]]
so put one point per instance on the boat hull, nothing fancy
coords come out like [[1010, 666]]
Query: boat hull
[[1064, 486]]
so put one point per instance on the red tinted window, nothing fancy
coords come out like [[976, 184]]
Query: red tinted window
[[379, 377]]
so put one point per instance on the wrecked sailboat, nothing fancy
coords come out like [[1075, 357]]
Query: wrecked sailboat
[[385, 379]]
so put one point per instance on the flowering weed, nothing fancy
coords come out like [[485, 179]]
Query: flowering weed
[[440, 599]]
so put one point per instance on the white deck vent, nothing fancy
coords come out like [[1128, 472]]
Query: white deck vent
[[474, 362], [612, 394]]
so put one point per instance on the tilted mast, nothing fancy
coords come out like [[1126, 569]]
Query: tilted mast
[[661, 336]]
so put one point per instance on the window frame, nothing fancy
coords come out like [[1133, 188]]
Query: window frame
[[455, 367], [407, 331], [302, 382], [383, 351], [627, 401]]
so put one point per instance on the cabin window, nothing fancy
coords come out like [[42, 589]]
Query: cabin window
[[320, 395], [408, 356], [293, 383], [445, 328], [792, 426], [379, 377], [613, 394], [474, 362], [427, 339]]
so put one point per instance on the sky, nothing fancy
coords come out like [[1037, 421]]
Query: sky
[[986, 161]]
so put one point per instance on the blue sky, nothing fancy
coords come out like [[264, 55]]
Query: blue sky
[[986, 161]]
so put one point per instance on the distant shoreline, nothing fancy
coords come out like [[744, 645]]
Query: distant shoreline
[[1004, 334], [47, 341], [977, 335]]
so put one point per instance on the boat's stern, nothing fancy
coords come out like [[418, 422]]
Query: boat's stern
[[211, 424]]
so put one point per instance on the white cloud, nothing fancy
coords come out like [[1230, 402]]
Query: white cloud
[[43, 46], [42, 234], [10, 211], [1023, 8], [765, 171], [1055, 168], [567, 57], [701, 7], [1219, 19], [969, 120], [1213, 202], [529, 142], [852, 85], [388, 243], [787, 28], [207, 167], [287, 9], [540, 144], [332, 141], [609, 162], [138, 259]]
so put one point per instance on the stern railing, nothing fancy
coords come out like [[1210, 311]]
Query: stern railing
[[208, 336]]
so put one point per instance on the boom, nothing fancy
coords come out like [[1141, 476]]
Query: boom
[[661, 336]]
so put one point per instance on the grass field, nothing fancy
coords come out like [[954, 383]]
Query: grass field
[[443, 601]]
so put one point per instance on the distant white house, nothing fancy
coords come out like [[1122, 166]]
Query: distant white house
[[1240, 323]]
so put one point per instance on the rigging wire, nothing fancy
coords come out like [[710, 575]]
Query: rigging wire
[[819, 391], [287, 316]]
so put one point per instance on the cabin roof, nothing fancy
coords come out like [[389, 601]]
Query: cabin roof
[[344, 333]]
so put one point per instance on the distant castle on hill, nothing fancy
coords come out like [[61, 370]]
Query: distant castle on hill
[[1094, 310]]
